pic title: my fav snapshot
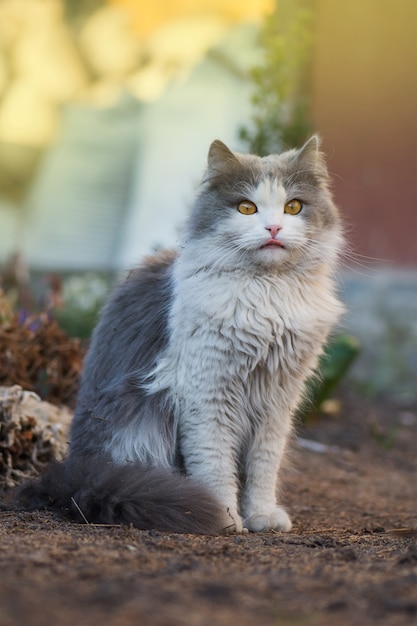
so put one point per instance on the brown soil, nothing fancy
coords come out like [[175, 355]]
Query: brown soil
[[350, 560]]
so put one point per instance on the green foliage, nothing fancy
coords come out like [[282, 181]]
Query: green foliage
[[75, 9], [83, 298], [336, 360], [383, 439], [281, 103], [77, 322]]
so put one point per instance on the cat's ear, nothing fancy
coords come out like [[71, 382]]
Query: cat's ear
[[220, 158], [310, 157], [310, 150]]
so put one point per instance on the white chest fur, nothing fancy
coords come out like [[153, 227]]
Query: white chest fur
[[226, 327]]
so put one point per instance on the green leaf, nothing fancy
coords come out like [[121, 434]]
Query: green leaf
[[334, 363]]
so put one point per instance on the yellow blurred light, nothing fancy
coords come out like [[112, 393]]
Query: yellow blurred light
[[184, 40], [3, 73], [48, 59], [27, 117], [43, 70], [149, 83], [109, 42], [146, 17], [174, 49], [129, 44]]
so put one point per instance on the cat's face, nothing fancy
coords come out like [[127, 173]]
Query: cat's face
[[272, 211]]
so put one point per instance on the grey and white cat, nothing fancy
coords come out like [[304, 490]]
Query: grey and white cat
[[200, 357]]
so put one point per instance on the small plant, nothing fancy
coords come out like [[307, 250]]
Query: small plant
[[336, 360], [281, 102], [384, 439], [38, 355], [82, 299]]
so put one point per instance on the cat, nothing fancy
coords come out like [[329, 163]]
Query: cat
[[199, 360]]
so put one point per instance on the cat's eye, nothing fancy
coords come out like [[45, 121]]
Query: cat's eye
[[293, 207], [246, 207]]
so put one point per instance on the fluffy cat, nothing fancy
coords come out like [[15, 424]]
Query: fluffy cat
[[199, 360]]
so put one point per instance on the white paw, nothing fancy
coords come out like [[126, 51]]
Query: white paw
[[277, 519], [233, 522]]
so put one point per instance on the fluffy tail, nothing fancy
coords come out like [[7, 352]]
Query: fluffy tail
[[147, 498]]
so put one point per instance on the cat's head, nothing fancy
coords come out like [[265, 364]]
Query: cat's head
[[274, 211]]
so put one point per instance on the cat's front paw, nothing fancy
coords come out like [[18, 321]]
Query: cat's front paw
[[277, 519], [233, 522]]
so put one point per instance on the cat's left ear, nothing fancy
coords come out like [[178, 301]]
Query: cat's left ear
[[311, 157], [310, 150], [220, 158]]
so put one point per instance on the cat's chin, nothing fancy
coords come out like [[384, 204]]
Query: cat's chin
[[275, 258], [272, 254]]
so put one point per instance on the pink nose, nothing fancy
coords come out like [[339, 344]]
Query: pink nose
[[273, 229]]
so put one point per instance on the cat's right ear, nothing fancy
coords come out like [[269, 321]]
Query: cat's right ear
[[220, 158]]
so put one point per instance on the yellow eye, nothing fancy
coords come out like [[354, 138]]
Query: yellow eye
[[293, 207], [247, 207]]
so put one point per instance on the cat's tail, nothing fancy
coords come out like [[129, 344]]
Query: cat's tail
[[147, 498]]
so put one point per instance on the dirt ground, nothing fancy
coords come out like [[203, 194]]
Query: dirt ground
[[350, 560]]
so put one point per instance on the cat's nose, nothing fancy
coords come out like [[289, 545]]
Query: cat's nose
[[273, 229]]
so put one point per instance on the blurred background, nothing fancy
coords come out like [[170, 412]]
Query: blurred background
[[107, 110]]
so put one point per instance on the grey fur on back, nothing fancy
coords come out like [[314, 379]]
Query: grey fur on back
[[120, 358]]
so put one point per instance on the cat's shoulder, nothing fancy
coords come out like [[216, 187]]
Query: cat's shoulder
[[152, 266], [147, 283], [152, 269]]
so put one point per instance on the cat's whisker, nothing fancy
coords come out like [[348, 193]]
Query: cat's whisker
[[353, 261], [356, 260], [363, 257], [360, 269]]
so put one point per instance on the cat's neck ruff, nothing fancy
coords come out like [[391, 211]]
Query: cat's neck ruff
[[201, 262], [296, 296]]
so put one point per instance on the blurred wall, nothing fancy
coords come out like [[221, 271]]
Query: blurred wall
[[189, 80], [106, 116], [364, 92]]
